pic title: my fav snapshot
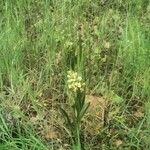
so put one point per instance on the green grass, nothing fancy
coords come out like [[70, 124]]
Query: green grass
[[41, 40]]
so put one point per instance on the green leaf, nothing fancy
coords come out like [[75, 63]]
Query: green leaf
[[66, 117], [79, 100], [83, 111]]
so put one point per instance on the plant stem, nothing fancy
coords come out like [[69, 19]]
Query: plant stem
[[77, 145]]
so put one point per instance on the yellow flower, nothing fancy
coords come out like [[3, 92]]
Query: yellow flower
[[74, 81]]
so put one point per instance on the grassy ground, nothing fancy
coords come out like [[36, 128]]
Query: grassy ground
[[41, 40]]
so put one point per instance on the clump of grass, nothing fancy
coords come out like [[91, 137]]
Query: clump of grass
[[105, 42]]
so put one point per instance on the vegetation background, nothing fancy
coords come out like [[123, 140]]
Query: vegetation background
[[40, 41]]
